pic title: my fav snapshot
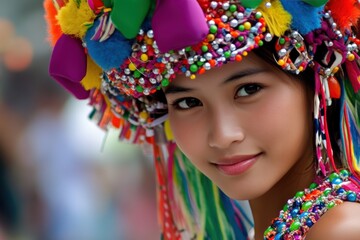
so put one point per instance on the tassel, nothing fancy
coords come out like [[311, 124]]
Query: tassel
[[168, 132], [353, 72], [345, 13], [277, 19], [54, 30], [350, 127], [75, 18]]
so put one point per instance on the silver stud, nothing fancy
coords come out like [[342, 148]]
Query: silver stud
[[224, 18], [234, 23], [142, 81], [240, 16], [208, 56], [150, 34], [214, 4], [268, 37], [282, 52], [207, 66]]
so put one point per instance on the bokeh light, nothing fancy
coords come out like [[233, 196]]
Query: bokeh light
[[16, 52]]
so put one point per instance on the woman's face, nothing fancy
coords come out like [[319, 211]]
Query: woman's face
[[243, 125]]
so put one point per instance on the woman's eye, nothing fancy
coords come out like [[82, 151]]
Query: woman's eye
[[248, 89], [186, 103]]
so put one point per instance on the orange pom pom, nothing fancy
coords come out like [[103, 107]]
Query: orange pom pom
[[54, 29], [345, 13]]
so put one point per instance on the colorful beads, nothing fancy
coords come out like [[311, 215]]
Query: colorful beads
[[165, 82], [351, 57], [132, 67], [302, 211]]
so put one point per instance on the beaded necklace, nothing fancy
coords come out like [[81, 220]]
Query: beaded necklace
[[306, 207]]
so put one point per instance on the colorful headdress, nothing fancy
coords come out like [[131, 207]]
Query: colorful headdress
[[119, 54]]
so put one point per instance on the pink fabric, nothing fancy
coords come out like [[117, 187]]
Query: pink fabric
[[178, 24]]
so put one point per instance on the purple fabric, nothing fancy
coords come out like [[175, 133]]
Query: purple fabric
[[178, 24], [68, 65]]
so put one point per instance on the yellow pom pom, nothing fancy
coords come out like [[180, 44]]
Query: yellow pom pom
[[92, 77], [74, 19], [277, 19], [168, 132]]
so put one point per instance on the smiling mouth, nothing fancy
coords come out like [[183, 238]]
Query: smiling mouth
[[236, 165]]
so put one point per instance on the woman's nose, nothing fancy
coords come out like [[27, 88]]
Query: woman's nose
[[224, 130]]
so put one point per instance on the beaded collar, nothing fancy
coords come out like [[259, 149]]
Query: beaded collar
[[301, 212]]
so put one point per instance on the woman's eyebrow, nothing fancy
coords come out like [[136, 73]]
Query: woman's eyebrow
[[172, 88], [175, 89], [243, 73]]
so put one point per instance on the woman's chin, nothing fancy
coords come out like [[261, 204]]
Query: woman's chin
[[241, 195]]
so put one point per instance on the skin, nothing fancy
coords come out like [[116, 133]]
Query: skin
[[345, 222], [261, 111]]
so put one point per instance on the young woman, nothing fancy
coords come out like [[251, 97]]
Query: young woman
[[240, 100]]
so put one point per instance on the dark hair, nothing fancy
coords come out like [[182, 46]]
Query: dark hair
[[267, 52]]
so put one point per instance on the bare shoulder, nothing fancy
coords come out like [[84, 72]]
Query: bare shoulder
[[340, 222]]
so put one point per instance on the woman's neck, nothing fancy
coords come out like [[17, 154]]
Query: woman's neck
[[268, 206]]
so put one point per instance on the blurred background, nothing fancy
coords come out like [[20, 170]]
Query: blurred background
[[61, 177]]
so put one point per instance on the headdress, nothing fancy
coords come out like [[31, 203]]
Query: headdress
[[119, 54]]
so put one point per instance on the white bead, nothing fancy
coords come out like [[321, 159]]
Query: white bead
[[268, 37], [214, 4], [228, 37], [224, 18], [234, 23], [146, 91], [150, 34], [211, 22], [208, 56], [240, 16], [190, 60], [207, 66], [141, 81], [282, 52]]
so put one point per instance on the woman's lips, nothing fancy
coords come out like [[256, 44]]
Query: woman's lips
[[236, 165]]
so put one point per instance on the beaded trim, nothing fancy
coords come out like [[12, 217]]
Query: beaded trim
[[302, 211], [233, 32]]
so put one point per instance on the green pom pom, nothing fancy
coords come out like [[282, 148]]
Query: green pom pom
[[251, 3], [316, 3], [129, 15]]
